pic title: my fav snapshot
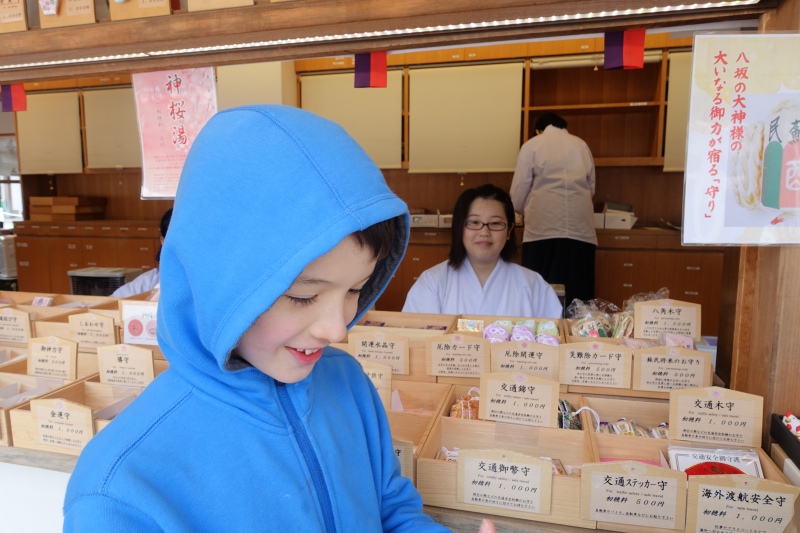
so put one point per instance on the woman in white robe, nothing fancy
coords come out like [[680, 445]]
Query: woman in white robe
[[479, 277]]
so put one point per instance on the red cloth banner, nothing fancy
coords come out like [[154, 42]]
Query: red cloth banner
[[624, 49], [14, 98], [370, 70]]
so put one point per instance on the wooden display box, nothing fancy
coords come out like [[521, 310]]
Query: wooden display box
[[437, 479], [88, 394], [13, 16], [130, 9], [416, 327], [207, 5], [19, 324], [61, 326], [21, 298], [488, 319], [567, 324], [24, 384], [69, 13], [623, 447], [432, 399], [87, 366]]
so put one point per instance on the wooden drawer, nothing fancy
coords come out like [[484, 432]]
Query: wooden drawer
[[626, 240], [430, 236], [138, 231], [100, 229]]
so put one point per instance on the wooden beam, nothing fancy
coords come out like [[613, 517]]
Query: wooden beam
[[312, 19]]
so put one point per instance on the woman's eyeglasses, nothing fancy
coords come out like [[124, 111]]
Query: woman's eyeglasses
[[476, 225]]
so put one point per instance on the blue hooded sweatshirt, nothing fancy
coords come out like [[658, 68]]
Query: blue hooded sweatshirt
[[214, 444]]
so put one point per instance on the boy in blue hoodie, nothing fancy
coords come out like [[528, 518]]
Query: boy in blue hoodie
[[258, 425]]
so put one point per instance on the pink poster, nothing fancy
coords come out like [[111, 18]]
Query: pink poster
[[172, 107]]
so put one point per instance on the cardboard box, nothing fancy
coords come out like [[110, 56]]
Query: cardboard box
[[619, 220], [437, 479], [445, 221], [599, 220], [424, 221]]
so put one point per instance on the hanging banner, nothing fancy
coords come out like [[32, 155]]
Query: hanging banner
[[172, 107], [742, 181]]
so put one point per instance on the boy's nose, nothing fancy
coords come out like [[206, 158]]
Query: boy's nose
[[331, 326]]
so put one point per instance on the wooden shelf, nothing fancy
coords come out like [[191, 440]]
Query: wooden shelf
[[629, 162], [614, 106]]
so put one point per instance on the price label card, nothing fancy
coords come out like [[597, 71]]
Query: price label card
[[139, 321], [654, 317], [123, 364], [379, 347], [598, 364], [721, 504], [519, 398], [505, 479], [526, 356], [15, 325], [457, 355], [665, 368], [53, 357], [12, 11], [633, 493], [714, 414], [74, 8], [62, 423], [404, 449], [92, 329], [381, 377]]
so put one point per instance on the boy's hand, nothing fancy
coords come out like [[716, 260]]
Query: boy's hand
[[487, 526]]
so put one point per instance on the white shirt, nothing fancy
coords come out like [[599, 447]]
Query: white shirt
[[510, 290], [143, 283], [553, 186]]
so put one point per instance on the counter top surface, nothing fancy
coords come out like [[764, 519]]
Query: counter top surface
[[458, 521]]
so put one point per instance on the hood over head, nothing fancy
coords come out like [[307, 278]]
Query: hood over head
[[264, 191]]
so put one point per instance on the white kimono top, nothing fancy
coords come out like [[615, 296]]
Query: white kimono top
[[511, 290], [553, 186], [143, 283]]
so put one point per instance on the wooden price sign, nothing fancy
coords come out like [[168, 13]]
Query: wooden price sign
[[740, 503], [598, 364], [654, 317], [529, 357], [53, 357], [457, 355], [714, 414], [665, 368], [62, 423], [519, 398], [91, 329], [634, 493], [505, 479], [13, 16], [380, 347], [15, 325], [381, 377], [127, 365], [404, 449]]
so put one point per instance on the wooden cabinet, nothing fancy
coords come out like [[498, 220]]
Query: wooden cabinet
[[427, 247], [47, 252], [629, 262]]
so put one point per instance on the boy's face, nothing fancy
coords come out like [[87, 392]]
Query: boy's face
[[287, 340]]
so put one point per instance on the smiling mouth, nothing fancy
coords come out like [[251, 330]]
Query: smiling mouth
[[305, 356]]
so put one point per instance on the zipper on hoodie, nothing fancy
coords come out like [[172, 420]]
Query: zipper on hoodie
[[309, 455]]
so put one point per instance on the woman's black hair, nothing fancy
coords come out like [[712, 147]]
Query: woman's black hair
[[550, 119], [460, 213]]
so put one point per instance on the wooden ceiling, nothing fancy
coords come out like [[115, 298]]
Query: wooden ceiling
[[268, 21]]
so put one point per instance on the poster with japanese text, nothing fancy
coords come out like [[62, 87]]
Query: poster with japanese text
[[742, 180], [172, 107]]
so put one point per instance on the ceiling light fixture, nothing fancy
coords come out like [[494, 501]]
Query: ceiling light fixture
[[390, 33]]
